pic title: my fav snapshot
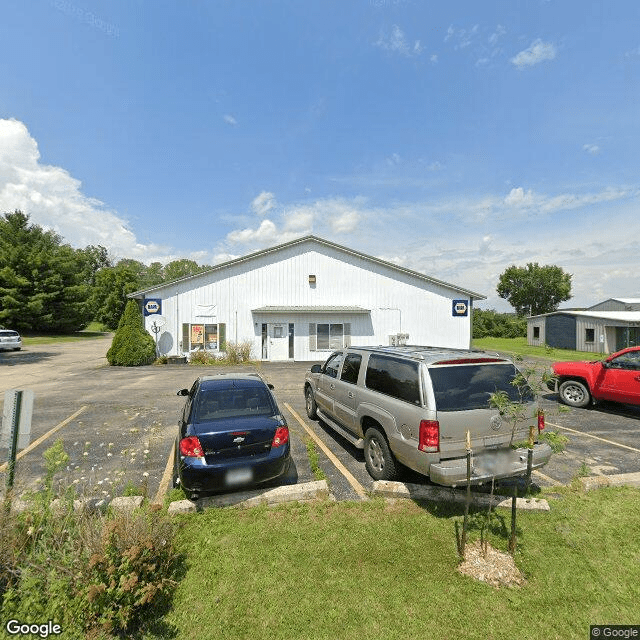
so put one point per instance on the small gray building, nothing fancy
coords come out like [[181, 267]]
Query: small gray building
[[604, 328]]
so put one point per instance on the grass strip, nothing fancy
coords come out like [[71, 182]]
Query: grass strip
[[389, 570]]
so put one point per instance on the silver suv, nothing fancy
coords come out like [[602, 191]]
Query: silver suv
[[414, 405]]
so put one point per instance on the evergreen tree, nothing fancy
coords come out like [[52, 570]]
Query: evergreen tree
[[132, 345], [41, 279]]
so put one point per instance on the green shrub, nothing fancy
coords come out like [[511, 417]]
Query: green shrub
[[488, 323], [238, 352], [132, 345], [87, 572]]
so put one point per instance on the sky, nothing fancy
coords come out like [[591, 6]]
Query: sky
[[453, 138]]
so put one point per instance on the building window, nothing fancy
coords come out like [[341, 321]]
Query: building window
[[329, 336], [203, 337], [536, 333], [589, 335]]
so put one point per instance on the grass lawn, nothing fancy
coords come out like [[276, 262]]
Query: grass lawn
[[93, 330], [382, 570], [519, 346]]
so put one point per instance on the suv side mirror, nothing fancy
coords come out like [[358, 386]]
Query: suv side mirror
[[316, 368], [183, 392]]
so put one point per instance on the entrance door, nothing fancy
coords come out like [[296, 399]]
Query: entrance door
[[278, 342]]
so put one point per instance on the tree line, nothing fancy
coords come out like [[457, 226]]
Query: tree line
[[47, 285]]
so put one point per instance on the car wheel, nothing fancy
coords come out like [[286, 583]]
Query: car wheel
[[310, 402], [378, 458], [574, 393]]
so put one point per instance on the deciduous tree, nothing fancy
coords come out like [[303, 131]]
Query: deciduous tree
[[534, 289]]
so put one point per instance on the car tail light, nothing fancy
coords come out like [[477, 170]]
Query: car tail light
[[191, 447], [429, 436], [281, 437], [540, 420]]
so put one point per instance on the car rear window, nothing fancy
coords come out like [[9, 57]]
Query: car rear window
[[464, 387], [394, 377], [9, 334], [216, 404]]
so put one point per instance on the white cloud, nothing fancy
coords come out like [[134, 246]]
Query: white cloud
[[229, 119], [519, 198], [396, 42], [263, 203], [593, 149], [538, 52], [54, 199], [266, 233]]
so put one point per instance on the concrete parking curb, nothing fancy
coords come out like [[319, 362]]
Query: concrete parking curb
[[443, 494], [618, 480], [304, 492]]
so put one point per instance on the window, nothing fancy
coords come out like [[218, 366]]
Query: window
[[465, 387], [629, 360], [332, 365], [329, 336], [199, 337], [589, 335], [351, 368], [536, 333], [394, 377]]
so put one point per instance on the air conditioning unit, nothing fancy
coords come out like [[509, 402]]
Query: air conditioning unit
[[403, 338], [393, 340]]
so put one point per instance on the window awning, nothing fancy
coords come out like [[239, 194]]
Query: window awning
[[323, 310]]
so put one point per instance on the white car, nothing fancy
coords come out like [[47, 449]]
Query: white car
[[10, 340]]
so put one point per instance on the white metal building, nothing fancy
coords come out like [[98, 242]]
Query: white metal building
[[304, 298]]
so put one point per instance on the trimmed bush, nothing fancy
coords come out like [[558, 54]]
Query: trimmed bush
[[132, 345]]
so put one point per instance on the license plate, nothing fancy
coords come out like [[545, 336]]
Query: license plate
[[239, 476]]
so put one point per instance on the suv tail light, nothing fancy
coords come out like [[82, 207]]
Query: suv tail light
[[191, 447], [540, 420], [429, 436], [281, 437]]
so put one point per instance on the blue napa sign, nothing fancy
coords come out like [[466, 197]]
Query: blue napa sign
[[152, 307], [460, 308]]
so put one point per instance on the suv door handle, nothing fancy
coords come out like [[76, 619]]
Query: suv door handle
[[637, 378], [332, 386], [351, 394]]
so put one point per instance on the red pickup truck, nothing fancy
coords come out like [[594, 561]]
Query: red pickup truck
[[617, 378]]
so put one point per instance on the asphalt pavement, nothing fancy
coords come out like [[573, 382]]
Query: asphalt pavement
[[118, 425]]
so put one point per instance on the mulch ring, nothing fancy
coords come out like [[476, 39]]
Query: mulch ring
[[497, 569]]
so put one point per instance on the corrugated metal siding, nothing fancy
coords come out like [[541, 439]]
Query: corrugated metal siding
[[616, 305], [341, 280], [587, 328], [538, 323], [560, 331]]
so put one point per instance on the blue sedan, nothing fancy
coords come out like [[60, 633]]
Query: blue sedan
[[231, 434]]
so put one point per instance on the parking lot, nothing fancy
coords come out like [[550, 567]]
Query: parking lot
[[118, 425]]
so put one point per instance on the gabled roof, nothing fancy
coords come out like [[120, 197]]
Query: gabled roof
[[311, 239]]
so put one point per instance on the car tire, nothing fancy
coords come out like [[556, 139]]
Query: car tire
[[310, 403], [574, 393], [378, 458]]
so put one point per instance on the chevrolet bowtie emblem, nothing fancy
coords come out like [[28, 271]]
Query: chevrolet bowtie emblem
[[238, 440]]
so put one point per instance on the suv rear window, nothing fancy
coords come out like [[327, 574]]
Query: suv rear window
[[464, 387], [394, 377]]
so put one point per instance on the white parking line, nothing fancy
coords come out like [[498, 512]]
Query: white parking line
[[588, 435], [358, 488], [41, 439]]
